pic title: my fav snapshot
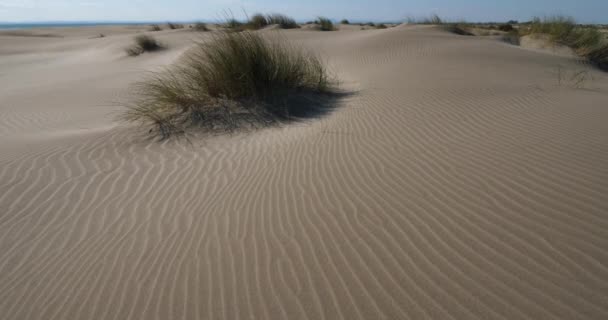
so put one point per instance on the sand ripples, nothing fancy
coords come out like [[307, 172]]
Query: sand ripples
[[431, 197]]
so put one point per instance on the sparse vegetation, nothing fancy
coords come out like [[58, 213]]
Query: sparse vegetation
[[257, 21], [344, 21], [236, 80], [174, 26], [381, 26], [587, 41], [462, 29], [234, 24], [506, 27], [155, 27], [143, 43], [324, 24], [282, 20], [200, 26], [433, 19]]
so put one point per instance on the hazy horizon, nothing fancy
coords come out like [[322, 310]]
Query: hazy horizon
[[67, 11]]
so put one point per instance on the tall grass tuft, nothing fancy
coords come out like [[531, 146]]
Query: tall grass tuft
[[257, 21], [143, 43], [235, 80], [282, 20], [344, 21], [200, 26], [155, 27], [324, 24], [174, 26]]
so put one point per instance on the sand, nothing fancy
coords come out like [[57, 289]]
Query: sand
[[463, 178]]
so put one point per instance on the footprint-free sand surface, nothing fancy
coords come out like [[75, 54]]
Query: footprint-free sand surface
[[463, 178]]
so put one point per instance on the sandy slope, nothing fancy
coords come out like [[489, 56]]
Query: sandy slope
[[460, 181]]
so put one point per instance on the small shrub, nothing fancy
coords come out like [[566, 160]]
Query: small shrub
[[344, 21], [237, 80], [200, 26], [174, 26], [505, 27], [282, 20], [381, 26], [325, 24], [155, 27], [371, 24], [143, 43]]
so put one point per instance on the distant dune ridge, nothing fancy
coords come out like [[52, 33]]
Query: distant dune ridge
[[465, 179]]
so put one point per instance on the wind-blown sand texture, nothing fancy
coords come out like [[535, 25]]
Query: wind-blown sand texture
[[460, 180]]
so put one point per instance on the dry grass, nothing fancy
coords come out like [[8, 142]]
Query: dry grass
[[283, 21], [587, 41], [234, 81], [200, 26], [324, 24], [143, 43], [174, 26], [155, 27]]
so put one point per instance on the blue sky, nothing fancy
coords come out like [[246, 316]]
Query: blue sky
[[589, 11]]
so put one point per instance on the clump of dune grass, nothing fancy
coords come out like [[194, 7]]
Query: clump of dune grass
[[155, 27], [381, 26], [324, 24], [237, 80], [143, 43], [174, 26], [433, 19], [344, 21], [283, 21], [200, 26], [462, 29], [257, 21]]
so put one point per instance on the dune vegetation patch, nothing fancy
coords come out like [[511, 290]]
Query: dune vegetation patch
[[259, 21], [325, 24], [155, 27], [143, 43], [236, 80], [200, 26], [174, 26], [588, 41]]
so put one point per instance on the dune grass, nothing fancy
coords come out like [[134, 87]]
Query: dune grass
[[324, 24], [587, 41], [259, 21], [236, 80], [155, 27], [381, 26], [344, 21], [283, 21], [174, 26], [200, 26], [143, 43]]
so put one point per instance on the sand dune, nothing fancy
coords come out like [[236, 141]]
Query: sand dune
[[461, 180]]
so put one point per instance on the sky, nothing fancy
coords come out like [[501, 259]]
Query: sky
[[584, 11]]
